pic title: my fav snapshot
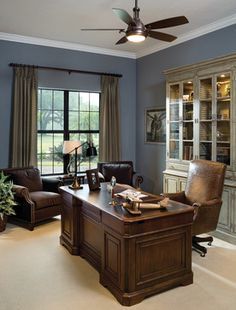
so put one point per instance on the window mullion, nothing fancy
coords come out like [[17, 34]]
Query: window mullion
[[66, 158]]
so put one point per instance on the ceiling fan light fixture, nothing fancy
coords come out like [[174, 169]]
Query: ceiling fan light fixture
[[136, 38]]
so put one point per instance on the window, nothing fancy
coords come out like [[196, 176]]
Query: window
[[65, 115]]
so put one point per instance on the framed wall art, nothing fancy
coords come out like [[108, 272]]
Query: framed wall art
[[93, 179], [155, 125]]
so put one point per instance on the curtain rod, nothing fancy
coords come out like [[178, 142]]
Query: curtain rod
[[64, 69]]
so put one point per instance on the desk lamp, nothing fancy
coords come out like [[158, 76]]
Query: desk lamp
[[76, 147]]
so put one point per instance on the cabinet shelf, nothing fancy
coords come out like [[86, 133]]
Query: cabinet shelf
[[224, 99], [206, 99], [205, 141]]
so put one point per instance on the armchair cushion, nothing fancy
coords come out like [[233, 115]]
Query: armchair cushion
[[45, 199]]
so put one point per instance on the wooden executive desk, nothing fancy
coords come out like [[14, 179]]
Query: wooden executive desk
[[136, 256]]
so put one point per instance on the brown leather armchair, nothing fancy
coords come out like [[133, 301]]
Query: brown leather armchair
[[37, 198], [203, 191], [122, 170]]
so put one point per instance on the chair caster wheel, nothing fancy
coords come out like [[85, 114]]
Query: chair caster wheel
[[209, 243], [202, 254]]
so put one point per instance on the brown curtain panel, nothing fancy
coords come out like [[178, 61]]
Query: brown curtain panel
[[109, 134], [24, 118]]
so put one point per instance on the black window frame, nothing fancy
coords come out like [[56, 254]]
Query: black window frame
[[66, 131]]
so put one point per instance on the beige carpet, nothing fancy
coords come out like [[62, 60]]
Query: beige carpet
[[36, 273]]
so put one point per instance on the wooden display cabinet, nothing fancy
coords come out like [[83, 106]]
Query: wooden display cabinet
[[201, 124]]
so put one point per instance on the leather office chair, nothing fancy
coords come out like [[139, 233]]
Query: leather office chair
[[203, 191], [122, 170], [37, 198]]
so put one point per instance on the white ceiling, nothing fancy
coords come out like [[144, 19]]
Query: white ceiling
[[60, 21]]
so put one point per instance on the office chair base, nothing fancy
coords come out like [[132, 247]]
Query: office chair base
[[199, 248]]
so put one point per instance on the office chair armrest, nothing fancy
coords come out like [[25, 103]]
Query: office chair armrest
[[180, 196], [213, 202], [22, 192], [51, 184], [206, 206]]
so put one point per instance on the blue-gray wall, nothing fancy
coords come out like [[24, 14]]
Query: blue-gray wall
[[150, 158], [142, 79], [47, 56]]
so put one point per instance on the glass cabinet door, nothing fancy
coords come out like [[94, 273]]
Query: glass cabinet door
[[174, 121], [187, 128], [214, 118], [205, 119], [223, 101]]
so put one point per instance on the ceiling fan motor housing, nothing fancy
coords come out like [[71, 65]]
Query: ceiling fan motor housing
[[137, 29]]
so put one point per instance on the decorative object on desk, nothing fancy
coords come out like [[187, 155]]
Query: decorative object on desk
[[132, 200], [158, 205], [76, 147], [113, 184], [133, 207], [6, 200], [155, 125], [164, 203], [93, 179]]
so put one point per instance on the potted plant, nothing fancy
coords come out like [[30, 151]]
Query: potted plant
[[6, 200]]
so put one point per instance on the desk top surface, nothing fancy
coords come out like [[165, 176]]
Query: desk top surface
[[101, 198]]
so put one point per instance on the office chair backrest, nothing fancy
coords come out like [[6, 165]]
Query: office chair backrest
[[205, 181]]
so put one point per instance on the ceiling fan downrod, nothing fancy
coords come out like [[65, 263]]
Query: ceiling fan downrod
[[136, 10]]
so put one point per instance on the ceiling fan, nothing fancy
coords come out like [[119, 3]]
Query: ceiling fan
[[138, 32]]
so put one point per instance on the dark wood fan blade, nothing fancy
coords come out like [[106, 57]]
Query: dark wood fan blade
[[102, 29], [169, 22], [123, 15], [122, 40], [161, 36]]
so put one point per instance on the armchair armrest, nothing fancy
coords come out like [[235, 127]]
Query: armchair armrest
[[51, 184], [180, 196], [101, 177], [137, 180], [22, 192]]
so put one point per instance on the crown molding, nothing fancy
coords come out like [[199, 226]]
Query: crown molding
[[64, 45], [221, 23]]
